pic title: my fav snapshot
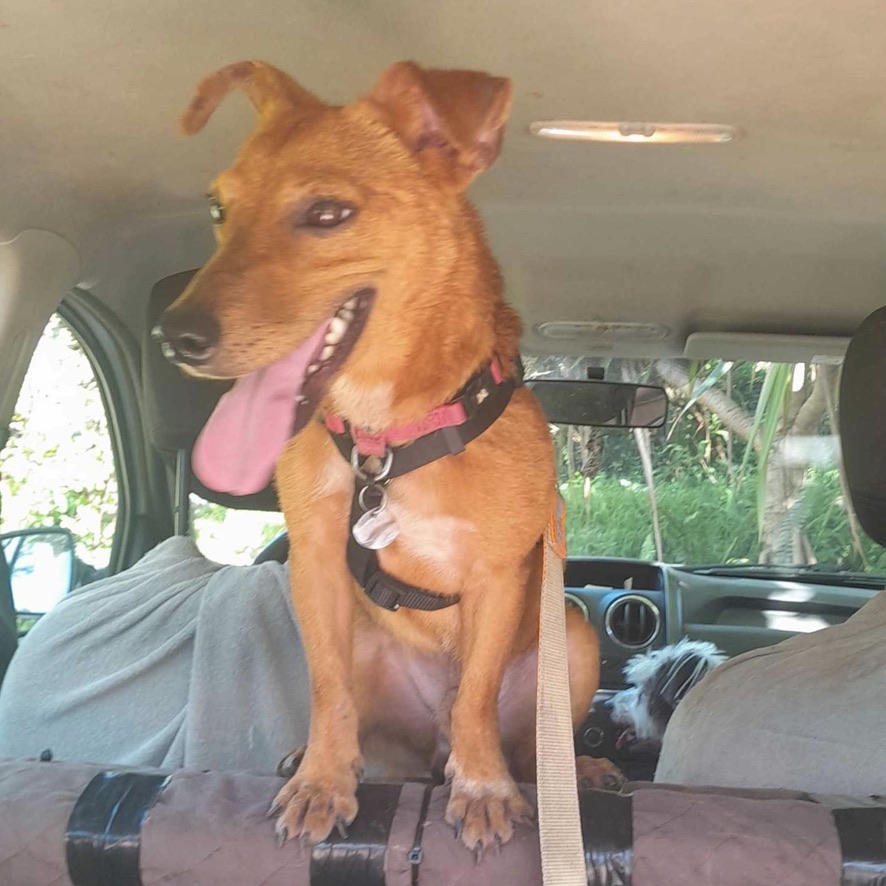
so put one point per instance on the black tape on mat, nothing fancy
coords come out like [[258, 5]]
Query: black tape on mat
[[359, 858], [862, 834], [607, 830], [103, 841]]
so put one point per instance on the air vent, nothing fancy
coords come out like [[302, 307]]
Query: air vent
[[577, 603], [632, 621]]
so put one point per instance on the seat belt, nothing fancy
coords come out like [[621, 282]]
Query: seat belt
[[559, 824]]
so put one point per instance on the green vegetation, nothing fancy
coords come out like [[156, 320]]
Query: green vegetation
[[747, 470], [703, 522], [57, 468]]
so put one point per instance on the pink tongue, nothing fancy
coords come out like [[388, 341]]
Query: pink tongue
[[238, 448]]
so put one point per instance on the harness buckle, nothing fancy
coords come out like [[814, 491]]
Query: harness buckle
[[454, 441], [381, 594]]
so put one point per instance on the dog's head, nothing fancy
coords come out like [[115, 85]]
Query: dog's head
[[348, 259]]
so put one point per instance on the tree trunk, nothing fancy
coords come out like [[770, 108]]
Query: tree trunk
[[641, 437], [781, 537]]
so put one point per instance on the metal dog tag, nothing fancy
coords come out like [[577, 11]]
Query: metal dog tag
[[376, 529]]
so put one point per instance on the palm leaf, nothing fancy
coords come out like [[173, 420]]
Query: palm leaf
[[770, 410], [771, 399], [717, 373]]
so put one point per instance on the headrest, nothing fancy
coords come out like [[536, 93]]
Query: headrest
[[177, 405], [863, 423]]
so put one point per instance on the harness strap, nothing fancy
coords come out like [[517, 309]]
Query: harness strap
[[384, 589], [484, 403]]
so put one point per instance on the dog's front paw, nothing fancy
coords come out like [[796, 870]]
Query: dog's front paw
[[484, 814], [312, 803], [598, 772]]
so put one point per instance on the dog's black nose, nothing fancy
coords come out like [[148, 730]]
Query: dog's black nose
[[187, 336]]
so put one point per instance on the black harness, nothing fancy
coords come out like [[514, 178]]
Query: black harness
[[484, 399]]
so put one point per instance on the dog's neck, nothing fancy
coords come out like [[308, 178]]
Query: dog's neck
[[472, 325]]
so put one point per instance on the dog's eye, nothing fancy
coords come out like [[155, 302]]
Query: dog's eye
[[328, 214], [216, 211]]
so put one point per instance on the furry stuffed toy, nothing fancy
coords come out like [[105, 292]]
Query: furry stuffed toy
[[657, 682]]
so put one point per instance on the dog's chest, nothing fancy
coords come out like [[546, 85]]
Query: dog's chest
[[440, 544]]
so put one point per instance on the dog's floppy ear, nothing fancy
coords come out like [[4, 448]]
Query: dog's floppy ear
[[453, 120], [269, 89]]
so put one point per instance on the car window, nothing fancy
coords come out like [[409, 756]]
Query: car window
[[230, 535], [58, 468], [746, 470]]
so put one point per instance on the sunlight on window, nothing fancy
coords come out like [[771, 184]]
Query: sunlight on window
[[227, 535]]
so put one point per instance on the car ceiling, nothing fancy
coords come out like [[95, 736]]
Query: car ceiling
[[782, 231]]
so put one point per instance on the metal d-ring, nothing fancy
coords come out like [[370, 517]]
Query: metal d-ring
[[382, 497], [387, 464]]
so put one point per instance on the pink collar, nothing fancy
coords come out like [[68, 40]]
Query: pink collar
[[451, 414]]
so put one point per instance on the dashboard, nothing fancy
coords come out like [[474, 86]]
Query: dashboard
[[625, 601], [636, 606]]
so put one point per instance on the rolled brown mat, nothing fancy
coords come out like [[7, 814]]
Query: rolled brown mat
[[93, 826]]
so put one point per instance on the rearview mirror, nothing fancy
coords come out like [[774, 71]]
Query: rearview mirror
[[41, 567], [601, 403]]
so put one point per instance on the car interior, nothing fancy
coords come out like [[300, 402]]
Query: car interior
[[724, 239]]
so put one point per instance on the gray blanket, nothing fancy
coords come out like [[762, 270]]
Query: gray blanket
[[177, 662], [807, 714]]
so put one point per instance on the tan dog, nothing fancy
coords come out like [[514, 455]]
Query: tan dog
[[352, 278]]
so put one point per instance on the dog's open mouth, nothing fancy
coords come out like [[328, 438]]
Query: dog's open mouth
[[238, 448]]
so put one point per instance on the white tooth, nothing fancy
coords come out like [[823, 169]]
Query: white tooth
[[313, 368], [327, 352], [351, 304], [346, 315], [336, 330]]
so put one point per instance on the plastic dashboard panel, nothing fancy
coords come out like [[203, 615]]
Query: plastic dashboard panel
[[598, 583], [736, 613]]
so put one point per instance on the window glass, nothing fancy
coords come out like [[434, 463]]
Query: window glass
[[229, 535], [746, 470], [57, 468]]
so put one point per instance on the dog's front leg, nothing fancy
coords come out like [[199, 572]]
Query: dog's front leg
[[485, 801], [313, 485]]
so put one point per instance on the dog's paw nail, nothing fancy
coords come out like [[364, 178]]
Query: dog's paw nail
[[275, 809], [282, 836], [497, 844], [340, 827], [456, 828], [478, 853], [611, 782]]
